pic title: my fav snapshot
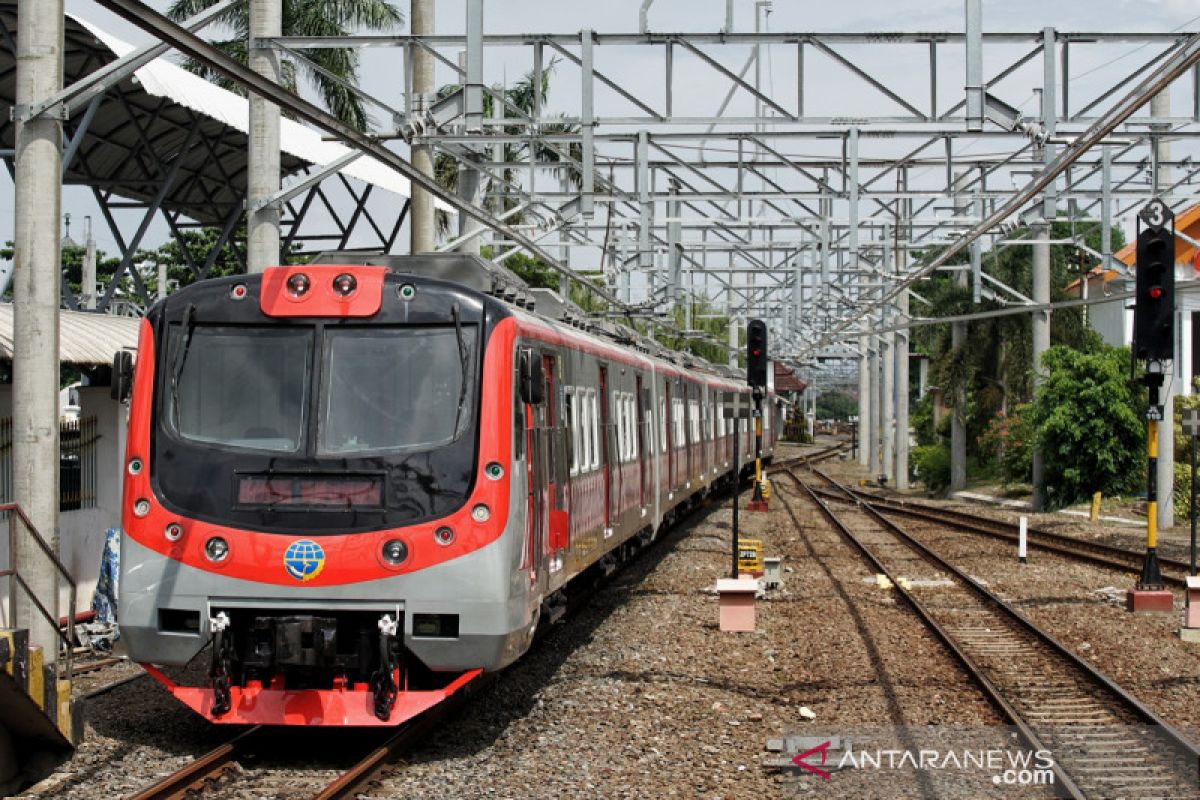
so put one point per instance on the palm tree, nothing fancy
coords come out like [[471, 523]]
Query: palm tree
[[305, 18], [519, 96]]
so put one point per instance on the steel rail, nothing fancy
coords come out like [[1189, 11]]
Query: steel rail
[[993, 692], [1180, 742], [1100, 553], [194, 774]]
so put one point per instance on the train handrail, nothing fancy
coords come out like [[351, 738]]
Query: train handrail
[[14, 579]]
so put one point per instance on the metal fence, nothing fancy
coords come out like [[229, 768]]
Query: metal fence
[[76, 463]]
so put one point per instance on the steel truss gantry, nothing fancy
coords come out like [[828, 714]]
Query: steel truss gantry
[[783, 201]]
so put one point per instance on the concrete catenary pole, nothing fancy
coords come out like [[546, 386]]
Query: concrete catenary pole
[[864, 400], [888, 451], [903, 234], [1160, 108], [89, 269], [421, 219], [958, 340], [36, 280], [1040, 233], [262, 225]]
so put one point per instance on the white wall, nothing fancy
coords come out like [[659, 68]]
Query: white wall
[[81, 533]]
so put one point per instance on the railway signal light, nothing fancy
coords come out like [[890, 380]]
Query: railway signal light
[[756, 353], [1154, 298]]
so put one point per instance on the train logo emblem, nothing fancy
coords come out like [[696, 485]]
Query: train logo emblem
[[304, 560]]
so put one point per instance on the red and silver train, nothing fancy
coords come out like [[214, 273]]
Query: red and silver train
[[350, 489]]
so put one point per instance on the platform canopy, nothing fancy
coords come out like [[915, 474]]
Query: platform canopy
[[164, 109], [83, 338]]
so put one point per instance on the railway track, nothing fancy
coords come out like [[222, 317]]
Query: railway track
[[1175, 571], [223, 770], [1105, 742]]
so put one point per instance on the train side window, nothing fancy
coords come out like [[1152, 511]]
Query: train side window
[[663, 425], [622, 407], [594, 430], [572, 428], [631, 411]]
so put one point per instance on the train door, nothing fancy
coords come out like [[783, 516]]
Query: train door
[[688, 471], [668, 423], [533, 422], [643, 451], [558, 521], [605, 450]]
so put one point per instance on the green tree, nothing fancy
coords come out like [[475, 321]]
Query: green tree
[[836, 405], [992, 366], [328, 18], [1086, 420], [521, 96]]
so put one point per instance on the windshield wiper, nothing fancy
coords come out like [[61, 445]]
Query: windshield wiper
[[189, 325], [462, 357]]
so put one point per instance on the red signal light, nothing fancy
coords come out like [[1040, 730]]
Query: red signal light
[[1156, 292]]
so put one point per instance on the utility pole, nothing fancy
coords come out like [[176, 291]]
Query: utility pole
[[36, 281], [421, 220], [262, 223]]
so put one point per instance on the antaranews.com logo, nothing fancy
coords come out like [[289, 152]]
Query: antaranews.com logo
[[1008, 767], [935, 760]]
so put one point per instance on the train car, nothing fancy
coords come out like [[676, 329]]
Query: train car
[[352, 487]]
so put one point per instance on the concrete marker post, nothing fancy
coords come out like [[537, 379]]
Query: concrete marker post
[[1021, 540]]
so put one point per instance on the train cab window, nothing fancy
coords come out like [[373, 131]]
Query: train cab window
[[237, 389], [409, 394]]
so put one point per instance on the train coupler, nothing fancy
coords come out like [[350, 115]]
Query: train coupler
[[222, 658], [383, 682]]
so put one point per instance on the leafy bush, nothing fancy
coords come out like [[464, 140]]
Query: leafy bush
[[932, 466], [1091, 434], [1009, 441]]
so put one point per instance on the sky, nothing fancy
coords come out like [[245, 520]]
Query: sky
[[1094, 68]]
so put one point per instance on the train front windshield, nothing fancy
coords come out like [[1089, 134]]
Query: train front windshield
[[379, 390], [393, 390]]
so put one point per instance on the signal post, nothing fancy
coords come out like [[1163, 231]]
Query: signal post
[[756, 376], [1153, 342]]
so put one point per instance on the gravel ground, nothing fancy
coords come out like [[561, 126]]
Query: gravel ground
[[1083, 606], [640, 695]]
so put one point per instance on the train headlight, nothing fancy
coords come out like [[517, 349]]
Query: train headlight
[[481, 513], [217, 549], [443, 536], [298, 284], [494, 471], [345, 284], [141, 508], [394, 552], [173, 532]]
